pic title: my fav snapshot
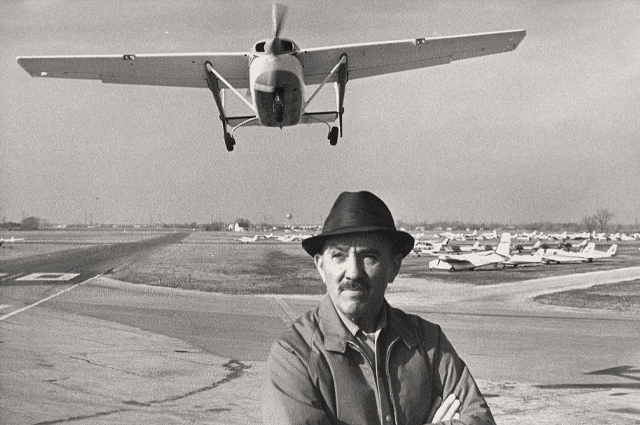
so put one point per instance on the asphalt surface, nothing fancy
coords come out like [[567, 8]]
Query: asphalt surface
[[99, 350]]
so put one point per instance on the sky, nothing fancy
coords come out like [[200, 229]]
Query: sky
[[549, 132]]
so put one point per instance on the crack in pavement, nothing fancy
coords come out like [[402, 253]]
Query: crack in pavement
[[82, 417], [236, 370]]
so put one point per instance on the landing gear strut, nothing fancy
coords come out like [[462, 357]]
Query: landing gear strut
[[212, 82]]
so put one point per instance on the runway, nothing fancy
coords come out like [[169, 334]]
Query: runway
[[130, 331]]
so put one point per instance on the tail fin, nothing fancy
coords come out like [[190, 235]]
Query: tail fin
[[591, 246], [536, 245], [539, 253], [476, 246], [504, 245], [612, 249]]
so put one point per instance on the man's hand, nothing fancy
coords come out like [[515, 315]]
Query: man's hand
[[444, 411]]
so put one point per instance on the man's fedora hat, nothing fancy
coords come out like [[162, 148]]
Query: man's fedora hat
[[359, 212]]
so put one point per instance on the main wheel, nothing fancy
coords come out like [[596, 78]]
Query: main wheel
[[229, 141], [333, 136]]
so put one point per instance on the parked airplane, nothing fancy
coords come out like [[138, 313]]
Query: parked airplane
[[562, 256], [474, 260], [12, 239], [432, 248], [490, 235], [467, 248], [525, 259], [590, 253], [247, 239], [521, 248], [276, 71]]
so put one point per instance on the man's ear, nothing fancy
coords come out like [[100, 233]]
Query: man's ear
[[318, 259], [396, 262]]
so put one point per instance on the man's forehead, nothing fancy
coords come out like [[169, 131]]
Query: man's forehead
[[369, 241]]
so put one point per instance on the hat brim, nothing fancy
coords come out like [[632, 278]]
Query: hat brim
[[402, 241]]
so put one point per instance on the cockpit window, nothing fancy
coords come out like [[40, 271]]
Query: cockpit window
[[260, 47]]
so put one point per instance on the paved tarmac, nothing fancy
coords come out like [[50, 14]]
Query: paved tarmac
[[112, 352]]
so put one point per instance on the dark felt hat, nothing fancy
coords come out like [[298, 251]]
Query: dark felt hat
[[359, 212]]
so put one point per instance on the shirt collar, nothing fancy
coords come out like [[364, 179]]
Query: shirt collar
[[336, 333], [354, 328]]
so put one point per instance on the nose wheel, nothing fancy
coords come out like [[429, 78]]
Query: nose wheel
[[333, 136]]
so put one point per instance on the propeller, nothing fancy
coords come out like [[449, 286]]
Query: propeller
[[279, 13]]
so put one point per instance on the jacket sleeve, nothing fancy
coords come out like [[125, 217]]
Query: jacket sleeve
[[453, 376], [289, 396]]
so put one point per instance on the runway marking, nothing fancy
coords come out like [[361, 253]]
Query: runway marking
[[59, 277], [10, 277], [288, 315], [20, 310]]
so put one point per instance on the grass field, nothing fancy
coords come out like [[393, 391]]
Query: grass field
[[217, 262]]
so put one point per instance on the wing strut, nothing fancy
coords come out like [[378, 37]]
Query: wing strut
[[341, 83], [341, 86]]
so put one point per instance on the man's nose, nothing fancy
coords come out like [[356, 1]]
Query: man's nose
[[354, 267]]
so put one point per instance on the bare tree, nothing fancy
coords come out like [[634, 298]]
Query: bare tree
[[602, 218], [590, 223]]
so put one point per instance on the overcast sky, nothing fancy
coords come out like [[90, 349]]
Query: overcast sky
[[549, 132]]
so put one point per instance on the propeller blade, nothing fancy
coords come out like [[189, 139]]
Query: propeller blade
[[279, 14]]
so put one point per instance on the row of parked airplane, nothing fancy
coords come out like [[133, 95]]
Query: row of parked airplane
[[296, 237], [528, 236], [476, 257]]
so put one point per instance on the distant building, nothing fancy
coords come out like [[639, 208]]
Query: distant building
[[238, 228]]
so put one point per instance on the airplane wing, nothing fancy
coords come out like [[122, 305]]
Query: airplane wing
[[458, 259], [178, 70], [369, 59]]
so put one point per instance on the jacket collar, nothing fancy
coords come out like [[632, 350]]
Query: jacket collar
[[336, 334]]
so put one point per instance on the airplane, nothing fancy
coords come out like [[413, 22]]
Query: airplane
[[431, 248], [556, 256], [521, 248], [275, 71], [12, 239], [474, 260], [247, 239], [467, 248], [490, 235], [590, 252], [525, 259]]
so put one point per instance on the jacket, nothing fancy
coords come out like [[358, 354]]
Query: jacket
[[317, 374]]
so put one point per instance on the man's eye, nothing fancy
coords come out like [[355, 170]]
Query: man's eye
[[337, 255]]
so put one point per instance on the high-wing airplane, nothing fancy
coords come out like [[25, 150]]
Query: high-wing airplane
[[276, 71], [474, 260]]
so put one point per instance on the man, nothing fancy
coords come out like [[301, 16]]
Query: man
[[355, 359]]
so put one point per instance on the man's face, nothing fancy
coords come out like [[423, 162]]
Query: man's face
[[356, 269]]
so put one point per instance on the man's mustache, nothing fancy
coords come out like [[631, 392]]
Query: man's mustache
[[354, 285]]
